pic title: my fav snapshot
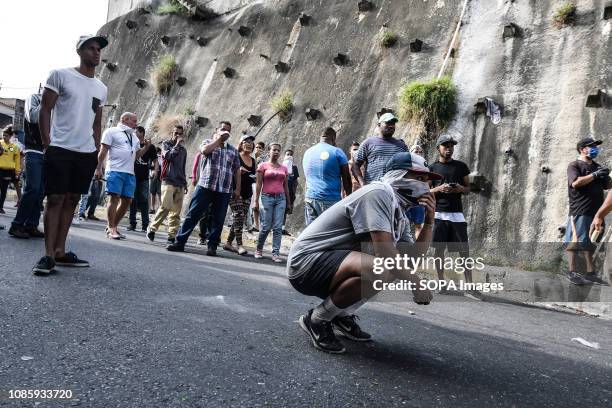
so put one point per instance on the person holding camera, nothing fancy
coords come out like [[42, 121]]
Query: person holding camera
[[219, 180], [586, 182], [450, 227]]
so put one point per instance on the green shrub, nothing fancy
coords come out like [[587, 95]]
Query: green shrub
[[164, 73], [388, 39], [283, 104], [430, 104], [189, 112], [565, 14], [173, 7]]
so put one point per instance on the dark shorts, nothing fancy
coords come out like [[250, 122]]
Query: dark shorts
[[317, 280], [155, 187], [67, 171], [7, 174], [451, 235]]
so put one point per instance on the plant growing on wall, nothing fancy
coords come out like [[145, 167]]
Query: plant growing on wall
[[565, 14], [282, 104], [173, 7], [429, 106], [164, 73], [388, 39]]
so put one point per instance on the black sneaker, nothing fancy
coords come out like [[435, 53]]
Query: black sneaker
[[70, 259], [591, 277], [348, 327], [18, 232], [202, 241], [576, 279], [211, 252], [170, 240], [322, 334], [285, 232], [175, 247], [151, 235], [144, 229], [44, 266], [132, 227]]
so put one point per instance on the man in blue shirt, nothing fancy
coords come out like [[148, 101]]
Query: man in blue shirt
[[324, 166]]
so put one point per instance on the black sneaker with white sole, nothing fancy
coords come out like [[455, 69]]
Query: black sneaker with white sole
[[348, 327], [576, 279], [44, 266], [322, 334], [594, 278], [151, 235], [70, 259]]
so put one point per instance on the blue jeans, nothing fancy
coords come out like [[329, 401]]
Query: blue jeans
[[271, 214], [140, 202], [30, 206], [201, 199], [91, 200], [314, 208]]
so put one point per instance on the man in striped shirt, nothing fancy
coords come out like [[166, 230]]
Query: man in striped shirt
[[376, 151], [219, 178]]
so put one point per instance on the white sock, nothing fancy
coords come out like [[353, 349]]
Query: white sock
[[353, 308], [326, 311]]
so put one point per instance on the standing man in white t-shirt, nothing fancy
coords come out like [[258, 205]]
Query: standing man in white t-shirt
[[123, 149], [71, 140]]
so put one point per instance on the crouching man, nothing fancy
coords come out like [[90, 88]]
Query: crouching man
[[327, 259]]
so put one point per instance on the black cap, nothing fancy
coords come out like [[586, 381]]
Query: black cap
[[445, 139], [587, 141]]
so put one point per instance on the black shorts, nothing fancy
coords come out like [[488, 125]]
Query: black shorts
[[67, 171], [317, 280], [7, 174], [451, 235]]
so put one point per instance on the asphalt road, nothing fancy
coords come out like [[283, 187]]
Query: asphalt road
[[146, 328]]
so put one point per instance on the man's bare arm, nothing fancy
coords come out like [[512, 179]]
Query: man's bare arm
[[49, 98], [97, 128], [356, 170]]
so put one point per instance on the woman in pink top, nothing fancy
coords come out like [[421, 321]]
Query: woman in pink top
[[271, 199]]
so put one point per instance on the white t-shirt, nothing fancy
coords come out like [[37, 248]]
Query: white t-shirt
[[75, 109], [123, 144]]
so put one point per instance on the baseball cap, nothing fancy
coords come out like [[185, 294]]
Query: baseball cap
[[412, 162], [246, 137], [588, 141], [387, 117], [84, 38], [445, 139]]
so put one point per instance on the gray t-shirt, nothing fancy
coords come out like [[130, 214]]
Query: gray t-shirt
[[344, 226]]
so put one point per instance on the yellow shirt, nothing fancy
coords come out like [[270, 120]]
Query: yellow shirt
[[11, 158]]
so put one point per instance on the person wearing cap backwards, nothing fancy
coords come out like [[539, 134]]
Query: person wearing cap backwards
[[375, 151], [71, 140], [586, 182], [219, 180], [329, 258], [450, 229]]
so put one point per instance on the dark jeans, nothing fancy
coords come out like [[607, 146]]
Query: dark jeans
[[205, 224], [93, 198], [201, 199], [28, 212], [140, 202]]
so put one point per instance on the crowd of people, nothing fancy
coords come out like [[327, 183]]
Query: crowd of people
[[383, 199]]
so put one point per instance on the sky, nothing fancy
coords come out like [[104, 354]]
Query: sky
[[37, 36]]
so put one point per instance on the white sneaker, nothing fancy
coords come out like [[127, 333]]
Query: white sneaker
[[242, 251], [258, 255], [276, 258], [76, 221]]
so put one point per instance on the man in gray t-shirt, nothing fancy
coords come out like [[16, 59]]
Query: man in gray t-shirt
[[328, 259]]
